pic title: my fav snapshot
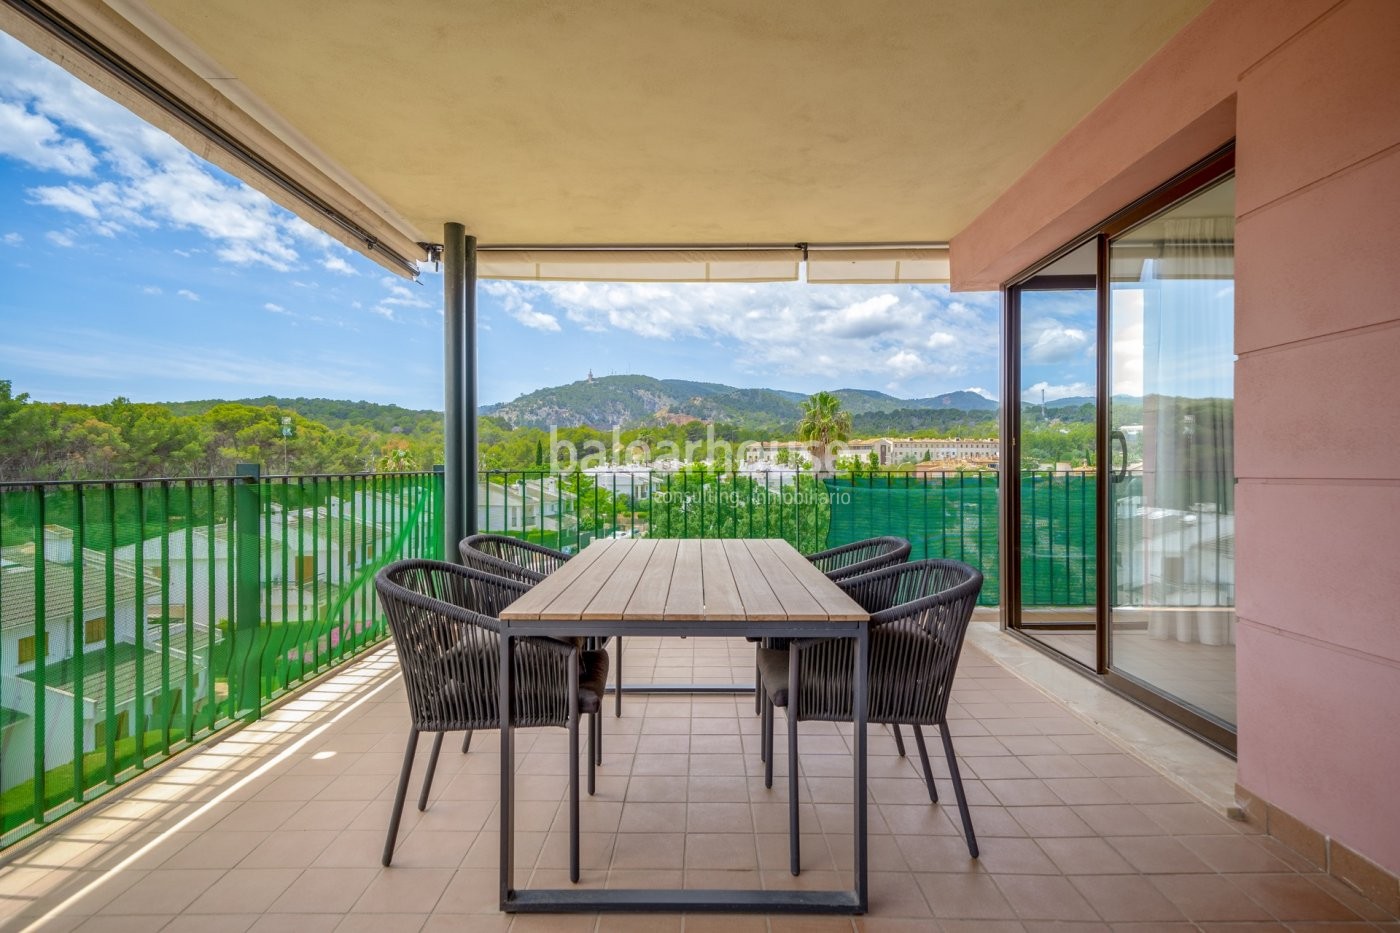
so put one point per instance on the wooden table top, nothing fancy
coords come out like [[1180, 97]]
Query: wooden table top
[[691, 580]]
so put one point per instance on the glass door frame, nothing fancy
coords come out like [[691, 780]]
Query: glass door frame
[[1198, 177], [1010, 556]]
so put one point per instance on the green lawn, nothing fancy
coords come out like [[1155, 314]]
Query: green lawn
[[17, 803]]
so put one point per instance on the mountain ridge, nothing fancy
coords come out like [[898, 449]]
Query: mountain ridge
[[636, 400]]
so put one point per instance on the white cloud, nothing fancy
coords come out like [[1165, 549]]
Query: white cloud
[[400, 296], [188, 295], [538, 320], [978, 390], [61, 238], [51, 120], [11, 239], [336, 264], [151, 290], [70, 198], [1128, 346], [1053, 392], [876, 315], [905, 363], [35, 140], [1048, 341], [275, 308], [520, 309], [835, 332]]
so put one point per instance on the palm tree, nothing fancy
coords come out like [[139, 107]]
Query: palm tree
[[823, 423]]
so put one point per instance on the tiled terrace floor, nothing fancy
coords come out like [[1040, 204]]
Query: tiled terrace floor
[[280, 826]]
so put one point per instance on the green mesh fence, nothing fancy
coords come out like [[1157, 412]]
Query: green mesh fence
[[941, 515], [140, 617], [956, 514]]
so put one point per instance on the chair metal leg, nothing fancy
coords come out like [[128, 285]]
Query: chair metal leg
[[595, 730], [794, 831], [958, 790], [768, 741], [467, 742], [399, 796], [898, 740], [762, 726], [757, 687], [432, 767], [617, 697], [923, 757], [573, 797]]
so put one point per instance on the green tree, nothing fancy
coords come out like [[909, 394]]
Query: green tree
[[29, 433], [823, 423], [396, 458]]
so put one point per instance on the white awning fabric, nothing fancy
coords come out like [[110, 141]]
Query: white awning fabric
[[825, 266], [875, 266], [640, 265]]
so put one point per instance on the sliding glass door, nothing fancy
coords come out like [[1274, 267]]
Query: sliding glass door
[[1171, 417], [1054, 381], [1118, 463]]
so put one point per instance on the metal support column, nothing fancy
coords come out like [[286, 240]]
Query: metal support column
[[459, 377], [469, 438]]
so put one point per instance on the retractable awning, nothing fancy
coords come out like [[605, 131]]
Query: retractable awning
[[835, 265], [683, 125]]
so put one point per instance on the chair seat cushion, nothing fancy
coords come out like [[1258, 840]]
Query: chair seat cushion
[[592, 680], [449, 702], [892, 687]]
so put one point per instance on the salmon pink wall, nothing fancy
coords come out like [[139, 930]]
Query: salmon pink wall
[[1311, 93]]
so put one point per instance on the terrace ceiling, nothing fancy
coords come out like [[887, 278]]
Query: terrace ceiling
[[664, 123]]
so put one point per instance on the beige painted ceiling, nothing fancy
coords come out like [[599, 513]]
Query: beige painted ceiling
[[668, 122]]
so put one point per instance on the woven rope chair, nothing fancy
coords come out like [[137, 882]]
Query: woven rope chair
[[529, 563], [839, 563], [443, 621], [919, 614], [852, 560]]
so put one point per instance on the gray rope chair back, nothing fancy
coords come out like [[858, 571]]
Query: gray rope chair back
[[850, 560], [529, 563], [442, 619], [919, 613], [445, 626], [510, 557]]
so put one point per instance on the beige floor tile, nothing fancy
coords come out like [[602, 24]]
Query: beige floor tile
[[324, 890], [211, 923], [382, 923], [395, 890], [1234, 853], [475, 923], [296, 923], [1075, 834], [1118, 898], [242, 890], [1158, 854], [1209, 898], [1044, 897], [1291, 897], [164, 891], [289, 849], [964, 897]]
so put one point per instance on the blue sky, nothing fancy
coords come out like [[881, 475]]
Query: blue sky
[[130, 267]]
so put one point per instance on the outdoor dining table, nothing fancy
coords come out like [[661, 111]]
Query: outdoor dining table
[[695, 588]]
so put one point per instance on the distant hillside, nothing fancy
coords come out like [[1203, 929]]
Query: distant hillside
[[632, 401], [334, 413]]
